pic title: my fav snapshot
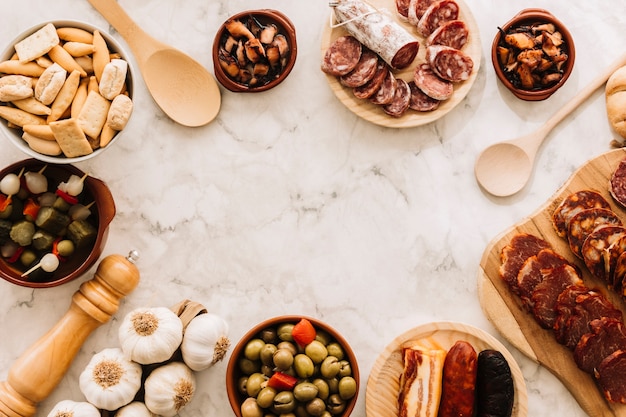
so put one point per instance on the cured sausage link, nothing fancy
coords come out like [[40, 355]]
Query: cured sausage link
[[459, 381], [495, 391]]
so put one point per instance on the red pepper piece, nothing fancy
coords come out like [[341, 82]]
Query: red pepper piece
[[303, 332], [5, 201], [16, 255], [55, 250], [70, 199], [31, 208], [282, 382]]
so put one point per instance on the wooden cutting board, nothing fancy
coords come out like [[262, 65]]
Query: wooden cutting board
[[518, 326]]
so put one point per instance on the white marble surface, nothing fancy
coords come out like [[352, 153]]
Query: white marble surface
[[289, 204]]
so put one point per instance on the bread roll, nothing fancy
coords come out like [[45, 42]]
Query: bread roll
[[15, 87], [113, 78], [119, 112], [50, 83], [615, 92]]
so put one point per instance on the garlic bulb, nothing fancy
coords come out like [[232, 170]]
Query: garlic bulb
[[150, 335], [205, 341], [134, 409], [69, 408], [110, 380], [169, 388]]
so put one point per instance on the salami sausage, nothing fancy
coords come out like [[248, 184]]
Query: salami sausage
[[401, 99], [449, 63], [387, 90], [402, 7], [362, 72], [611, 256], [459, 381], [617, 184], [342, 56], [453, 34], [436, 15], [416, 10], [574, 203], [584, 223], [495, 391], [378, 31], [594, 247], [420, 101], [370, 88], [433, 86]]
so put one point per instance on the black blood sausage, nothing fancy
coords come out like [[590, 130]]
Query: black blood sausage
[[378, 31], [494, 385]]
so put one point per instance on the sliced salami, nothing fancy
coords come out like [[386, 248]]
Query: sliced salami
[[431, 84], [420, 101], [617, 184], [370, 88], [530, 274], [436, 15], [402, 7], [619, 275], [387, 90], [611, 257], [401, 99], [572, 205], [363, 71], [416, 10], [584, 223], [596, 245], [521, 247], [607, 335], [610, 375], [546, 293], [453, 34], [342, 56], [378, 31], [449, 63]]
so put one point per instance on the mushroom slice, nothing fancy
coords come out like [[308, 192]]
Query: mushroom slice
[[268, 33], [273, 56], [283, 46], [238, 29], [254, 50], [228, 63], [520, 40]]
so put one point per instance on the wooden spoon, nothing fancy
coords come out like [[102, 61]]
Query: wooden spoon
[[180, 86], [504, 168]]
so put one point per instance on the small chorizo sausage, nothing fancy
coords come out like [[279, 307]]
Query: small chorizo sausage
[[459, 381]]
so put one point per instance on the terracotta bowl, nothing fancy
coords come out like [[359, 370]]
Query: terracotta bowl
[[234, 372], [15, 134], [102, 213], [264, 17], [529, 17]]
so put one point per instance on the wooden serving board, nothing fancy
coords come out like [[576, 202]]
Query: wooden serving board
[[374, 113], [517, 325]]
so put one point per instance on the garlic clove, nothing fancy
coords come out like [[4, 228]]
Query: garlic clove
[[134, 409], [205, 341], [69, 408], [169, 388]]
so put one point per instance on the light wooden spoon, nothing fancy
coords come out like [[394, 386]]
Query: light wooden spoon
[[181, 87], [504, 168]]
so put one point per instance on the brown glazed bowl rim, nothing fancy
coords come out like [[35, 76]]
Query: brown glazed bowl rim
[[232, 372], [105, 212], [527, 16], [288, 29]]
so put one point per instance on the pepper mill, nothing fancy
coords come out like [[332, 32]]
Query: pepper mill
[[37, 372]]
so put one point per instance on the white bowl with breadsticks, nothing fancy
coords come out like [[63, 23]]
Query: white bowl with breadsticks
[[66, 90]]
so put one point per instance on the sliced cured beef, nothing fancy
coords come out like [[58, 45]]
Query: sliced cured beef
[[617, 184], [401, 99], [611, 257], [596, 245], [495, 390], [436, 15], [402, 7], [530, 273], [370, 88], [420, 101], [453, 34], [378, 31], [546, 293], [584, 223], [607, 335], [572, 205], [363, 71], [565, 306], [521, 247], [611, 376], [449, 63], [431, 84], [342, 56], [387, 90]]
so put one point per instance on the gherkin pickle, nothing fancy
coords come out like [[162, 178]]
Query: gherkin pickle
[[43, 240], [52, 220], [22, 232], [82, 233]]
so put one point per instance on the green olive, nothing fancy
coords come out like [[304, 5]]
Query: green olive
[[305, 391], [284, 332], [330, 367], [283, 359], [347, 387], [266, 353], [322, 388], [326, 413], [335, 350], [65, 247], [249, 408], [241, 384], [265, 398], [6, 213], [269, 335], [267, 370], [316, 407], [300, 411], [248, 367], [333, 385], [284, 402], [289, 346], [335, 404], [255, 384], [28, 257], [316, 351], [303, 365], [346, 369], [323, 337], [253, 348]]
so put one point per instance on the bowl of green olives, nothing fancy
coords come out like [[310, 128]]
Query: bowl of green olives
[[292, 366], [54, 222]]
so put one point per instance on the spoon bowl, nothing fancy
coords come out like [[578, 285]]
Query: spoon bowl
[[180, 86]]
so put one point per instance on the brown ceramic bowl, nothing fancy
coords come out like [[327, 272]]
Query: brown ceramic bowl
[[530, 17], [263, 17], [102, 213], [234, 372]]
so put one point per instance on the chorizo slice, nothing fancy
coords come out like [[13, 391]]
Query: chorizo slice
[[546, 293], [370, 88], [530, 273], [342, 56], [495, 390], [572, 205], [454, 34], [594, 247], [436, 15], [431, 84], [401, 99], [611, 257], [584, 223], [420, 101], [387, 90], [362, 72], [449, 63], [617, 184], [459, 381]]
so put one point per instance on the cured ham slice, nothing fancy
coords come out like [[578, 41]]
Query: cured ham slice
[[584, 223], [436, 15], [611, 257], [572, 205], [378, 31], [449, 63], [513, 256], [607, 335], [546, 293], [420, 382]]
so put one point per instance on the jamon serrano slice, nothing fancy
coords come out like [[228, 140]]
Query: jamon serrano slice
[[530, 273], [584, 223], [546, 293], [596, 245], [420, 382], [610, 375], [513, 256], [572, 205], [607, 335]]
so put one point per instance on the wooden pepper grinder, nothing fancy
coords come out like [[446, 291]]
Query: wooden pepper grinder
[[36, 373]]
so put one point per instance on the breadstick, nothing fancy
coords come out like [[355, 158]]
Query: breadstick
[[86, 63], [20, 117], [77, 49], [107, 135], [65, 96], [29, 69], [42, 146], [79, 98], [64, 59], [40, 131], [32, 105], [101, 54], [93, 85], [74, 35]]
